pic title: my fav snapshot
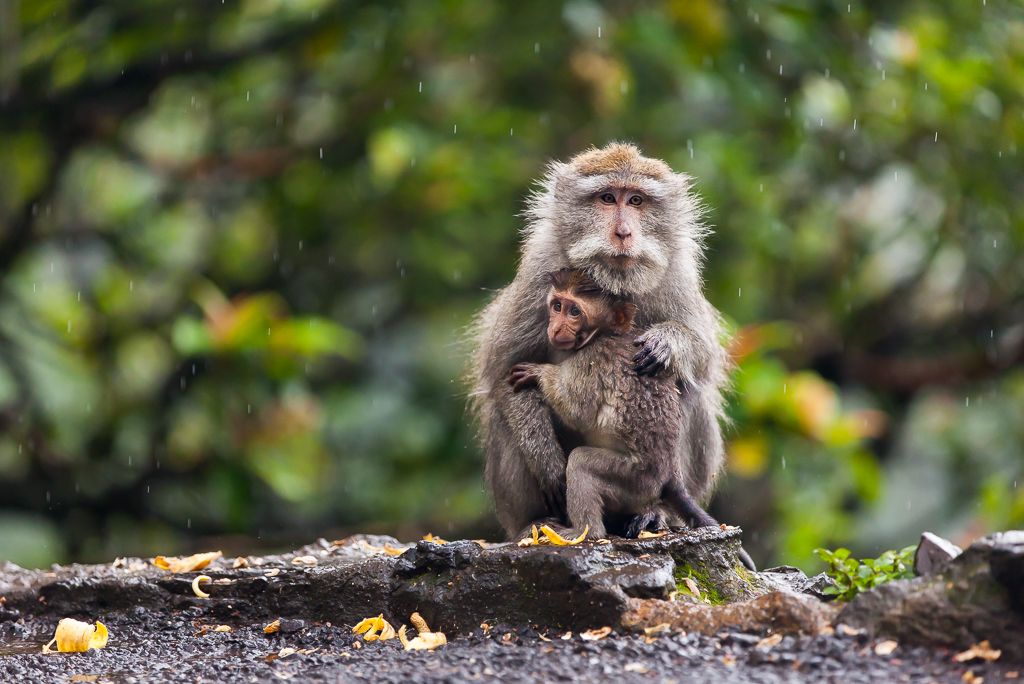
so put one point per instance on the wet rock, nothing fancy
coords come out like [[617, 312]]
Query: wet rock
[[975, 596], [456, 585], [775, 612], [788, 578], [933, 552]]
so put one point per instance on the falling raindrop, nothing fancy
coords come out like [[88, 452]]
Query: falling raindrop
[[854, 124], [536, 48], [455, 128], [246, 95], [510, 132], [739, 292], [421, 87], [598, 31], [321, 152]]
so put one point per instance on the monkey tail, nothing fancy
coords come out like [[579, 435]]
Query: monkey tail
[[675, 495]]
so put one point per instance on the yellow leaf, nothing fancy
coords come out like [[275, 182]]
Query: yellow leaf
[[692, 586], [769, 642], [431, 538], [273, 628], [191, 563], [74, 636]]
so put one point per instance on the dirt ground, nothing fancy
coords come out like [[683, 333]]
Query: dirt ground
[[162, 647]]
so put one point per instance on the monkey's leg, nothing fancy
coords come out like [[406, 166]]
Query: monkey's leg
[[525, 463], [701, 451], [599, 481]]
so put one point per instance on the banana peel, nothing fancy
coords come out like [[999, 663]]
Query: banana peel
[[74, 636], [550, 536], [425, 640], [375, 629]]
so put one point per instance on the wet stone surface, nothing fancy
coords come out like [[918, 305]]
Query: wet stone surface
[[709, 615]]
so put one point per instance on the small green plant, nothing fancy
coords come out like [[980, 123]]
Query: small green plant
[[853, 576]]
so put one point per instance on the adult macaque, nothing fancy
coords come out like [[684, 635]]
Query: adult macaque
[[631, 224], [630, 423]]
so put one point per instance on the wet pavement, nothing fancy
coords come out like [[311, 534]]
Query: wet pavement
[[148, 646]]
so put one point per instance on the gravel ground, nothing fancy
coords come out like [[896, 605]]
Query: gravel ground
[[150, 647]]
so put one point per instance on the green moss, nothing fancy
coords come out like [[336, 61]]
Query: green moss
[[745, 575], [709, 592]]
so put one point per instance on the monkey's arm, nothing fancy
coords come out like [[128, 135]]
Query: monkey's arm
[[692, 354]]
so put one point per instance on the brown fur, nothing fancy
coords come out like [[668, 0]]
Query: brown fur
[[657, 268], [621, 159]]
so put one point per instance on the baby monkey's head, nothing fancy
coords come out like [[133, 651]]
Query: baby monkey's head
[[578, 310]]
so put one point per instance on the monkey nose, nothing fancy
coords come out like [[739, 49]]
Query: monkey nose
[[622, 233]]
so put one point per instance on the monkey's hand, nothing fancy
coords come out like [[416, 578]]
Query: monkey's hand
[[523, 376], [656, 350]]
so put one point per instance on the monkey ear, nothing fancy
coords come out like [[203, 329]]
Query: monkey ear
[[623, 314]]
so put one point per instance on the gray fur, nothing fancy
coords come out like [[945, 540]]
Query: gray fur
[[525, 464]]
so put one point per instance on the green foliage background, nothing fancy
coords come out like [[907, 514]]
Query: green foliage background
[[240, 243]]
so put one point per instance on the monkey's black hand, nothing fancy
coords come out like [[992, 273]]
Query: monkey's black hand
[[523, 376], [654, 355], [747, 561]]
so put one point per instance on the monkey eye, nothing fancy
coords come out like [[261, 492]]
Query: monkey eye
[[636, 200], [607, 198], [574, 310], [556, 306]]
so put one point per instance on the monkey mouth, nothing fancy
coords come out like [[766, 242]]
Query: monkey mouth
[[621, 261]]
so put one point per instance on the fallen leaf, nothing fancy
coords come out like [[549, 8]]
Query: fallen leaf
[[375, 628], [83, 678], [692, 587], [657, 629], [846, 630], [567, 636], [1012, 674], [221, 628], [729, 660], [543, 637], [769, 642], [558, 540], [283, 653], [486, 627], [273, 628], [240, 562], [304, 560], [393, 550], [639, 668], [645, 534], [425, 640], [74, 636], [884, 648], [120, 562], [273, 572], [195, 586], [431, 538], [596, 634], [972, 678], [981, 651], [196, 561], [604, 541]]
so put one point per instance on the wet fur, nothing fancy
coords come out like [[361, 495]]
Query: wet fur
[[525, 461]]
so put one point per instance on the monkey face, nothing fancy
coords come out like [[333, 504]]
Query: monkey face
[[615, 211], [567, 321]]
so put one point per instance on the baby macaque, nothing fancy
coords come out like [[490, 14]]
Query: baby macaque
[[630, 423]]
